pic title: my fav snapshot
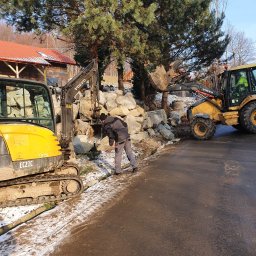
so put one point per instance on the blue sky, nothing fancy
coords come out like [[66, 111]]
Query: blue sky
[[241, 14]]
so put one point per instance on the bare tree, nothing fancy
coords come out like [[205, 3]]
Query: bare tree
[[241, 48], [219, 7]]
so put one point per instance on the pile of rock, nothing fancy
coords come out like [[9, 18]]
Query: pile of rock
[[19, 103], [141, 124]]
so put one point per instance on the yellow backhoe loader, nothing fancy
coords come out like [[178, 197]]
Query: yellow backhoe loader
[[34, 166], [235, 104]]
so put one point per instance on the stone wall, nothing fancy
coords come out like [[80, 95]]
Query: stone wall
[[141, 124]]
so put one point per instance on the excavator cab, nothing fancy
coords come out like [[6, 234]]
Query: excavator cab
[[24, 101]]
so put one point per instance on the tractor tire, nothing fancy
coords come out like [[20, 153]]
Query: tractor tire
[[248, 117], [203, 128], [239, 127]]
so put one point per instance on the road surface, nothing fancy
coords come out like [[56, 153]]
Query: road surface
[[199, 199]]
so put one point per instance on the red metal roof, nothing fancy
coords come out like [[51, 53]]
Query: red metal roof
[[14, 52]]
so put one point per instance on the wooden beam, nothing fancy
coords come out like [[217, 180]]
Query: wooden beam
[[11, 67], [17, 70], [42, 72], [22, 68]]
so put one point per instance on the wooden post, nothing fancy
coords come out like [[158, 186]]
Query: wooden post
[[11, 67]]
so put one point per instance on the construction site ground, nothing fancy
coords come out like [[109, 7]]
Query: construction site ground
[[25, 230], [196, 199]]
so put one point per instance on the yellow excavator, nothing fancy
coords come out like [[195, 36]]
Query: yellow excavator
[[34, 166], [234, 105]]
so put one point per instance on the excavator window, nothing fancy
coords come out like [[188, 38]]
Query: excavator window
[[25, 103]]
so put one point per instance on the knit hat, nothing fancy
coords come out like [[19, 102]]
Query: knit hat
[[103, 116]]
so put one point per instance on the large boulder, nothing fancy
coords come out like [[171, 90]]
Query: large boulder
[[119, 111], [110, 96], [137, 112], [82, 144], [175, 118], [15, 98], [56, 105], [159, 79], [110, 105], [85, 108], [83, 128], [58, 130], [102, 99], [103, 110], [75, 111], [126, 101], [138, 137], [154, 118], [165, 131], [104, 145], [133, 125]]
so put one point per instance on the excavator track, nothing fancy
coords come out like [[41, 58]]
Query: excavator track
[[26, 191]]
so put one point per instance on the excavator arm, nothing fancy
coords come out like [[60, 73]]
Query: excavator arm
[[68, 93]]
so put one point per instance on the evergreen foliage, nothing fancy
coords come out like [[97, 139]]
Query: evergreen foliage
[[146, 31]]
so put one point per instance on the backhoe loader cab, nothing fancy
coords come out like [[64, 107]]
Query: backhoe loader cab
[[236, 105], [237, 84]]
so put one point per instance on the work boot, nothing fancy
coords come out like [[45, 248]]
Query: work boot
[[135, 169]]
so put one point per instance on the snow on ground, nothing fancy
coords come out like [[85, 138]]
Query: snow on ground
[[11, 214], [103, 168], [41, 235]]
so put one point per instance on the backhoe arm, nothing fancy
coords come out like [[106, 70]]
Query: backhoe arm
[[194, 88], [68, 92]]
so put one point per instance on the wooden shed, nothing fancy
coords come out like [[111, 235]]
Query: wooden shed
[[29, 62]]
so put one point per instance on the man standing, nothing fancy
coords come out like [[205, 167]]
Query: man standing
[[242, 80], [117, 131]]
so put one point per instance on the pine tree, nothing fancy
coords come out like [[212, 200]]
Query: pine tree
[[186, 30], [99, 29], [146, 31]]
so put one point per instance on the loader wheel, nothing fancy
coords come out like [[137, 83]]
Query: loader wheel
[[203, 128], [248, 117]]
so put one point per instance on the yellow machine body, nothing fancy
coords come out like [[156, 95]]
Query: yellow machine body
[[28, 142], [209, 108], [213, 110], [32, 166]]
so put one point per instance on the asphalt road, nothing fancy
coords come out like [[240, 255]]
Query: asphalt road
[[199, 199]]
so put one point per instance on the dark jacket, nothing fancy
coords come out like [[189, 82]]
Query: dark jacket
[[116, 129]]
